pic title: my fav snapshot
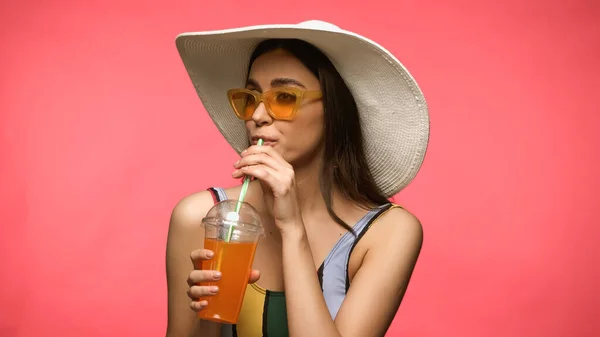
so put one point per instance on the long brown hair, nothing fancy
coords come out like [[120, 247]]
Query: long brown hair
[[344, 164]]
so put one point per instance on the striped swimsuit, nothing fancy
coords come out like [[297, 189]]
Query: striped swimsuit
[[263, 312]]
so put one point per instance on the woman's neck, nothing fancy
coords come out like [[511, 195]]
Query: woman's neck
[[308, 186], [310, 198]]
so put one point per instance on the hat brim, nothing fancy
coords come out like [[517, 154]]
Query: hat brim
[[393, 112]]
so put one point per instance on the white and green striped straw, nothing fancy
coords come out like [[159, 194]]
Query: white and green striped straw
[[241, 198]]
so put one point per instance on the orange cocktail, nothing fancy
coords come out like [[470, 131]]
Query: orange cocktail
[[232, 232], [234, 261]]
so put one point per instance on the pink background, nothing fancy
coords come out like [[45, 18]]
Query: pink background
[[101, 133]]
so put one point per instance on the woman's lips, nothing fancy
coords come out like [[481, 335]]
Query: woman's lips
[[265, 143], [266, 140]]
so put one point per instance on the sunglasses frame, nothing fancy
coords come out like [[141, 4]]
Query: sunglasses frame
[[259, 97]]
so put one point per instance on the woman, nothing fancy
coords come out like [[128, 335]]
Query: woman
[[342, 133]]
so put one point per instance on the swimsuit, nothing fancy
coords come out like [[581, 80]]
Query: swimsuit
[[263, 312]]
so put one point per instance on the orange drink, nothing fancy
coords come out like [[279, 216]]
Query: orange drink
[[235, 264], [233, 241]]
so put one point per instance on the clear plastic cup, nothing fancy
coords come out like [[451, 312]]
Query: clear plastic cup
[[233, 242]]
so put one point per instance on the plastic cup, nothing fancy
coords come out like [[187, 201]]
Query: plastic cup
[[234, 244]]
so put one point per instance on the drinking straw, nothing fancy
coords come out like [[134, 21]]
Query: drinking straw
[[235, 216]]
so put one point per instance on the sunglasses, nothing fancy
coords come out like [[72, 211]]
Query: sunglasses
[[280, 103]]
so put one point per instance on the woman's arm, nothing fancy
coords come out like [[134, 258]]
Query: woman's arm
[[393, 246], [375, 292], [185, 235]]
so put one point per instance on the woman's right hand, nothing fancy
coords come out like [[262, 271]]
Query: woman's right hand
[[197, 276]]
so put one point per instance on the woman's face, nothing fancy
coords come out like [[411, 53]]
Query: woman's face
[[300, 140]]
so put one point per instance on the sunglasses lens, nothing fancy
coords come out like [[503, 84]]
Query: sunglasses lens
[[282, 103], [244, 104]]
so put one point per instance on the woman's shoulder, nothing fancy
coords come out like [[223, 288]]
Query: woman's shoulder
[[399, 215], [193, 207], [396, 226]]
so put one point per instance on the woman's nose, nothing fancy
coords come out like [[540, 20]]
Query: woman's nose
[[261, 116]]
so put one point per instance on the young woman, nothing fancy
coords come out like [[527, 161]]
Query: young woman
[[342, 133]]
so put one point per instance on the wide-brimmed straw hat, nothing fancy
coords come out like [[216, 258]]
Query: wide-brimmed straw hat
[[393, 112]]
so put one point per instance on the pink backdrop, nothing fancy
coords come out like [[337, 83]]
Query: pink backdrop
[[101, 133]]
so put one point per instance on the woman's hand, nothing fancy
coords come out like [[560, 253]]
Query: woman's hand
[[197, 276], [267, 165]]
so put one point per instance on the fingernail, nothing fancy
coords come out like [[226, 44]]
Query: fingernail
[[236, 163], [210, 254], [244, 152], [214, 289], [217, 275], [235, 172]]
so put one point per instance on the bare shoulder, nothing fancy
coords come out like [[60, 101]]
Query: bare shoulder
[[190, 210], [185, 231], [396, 230], [402, 220]]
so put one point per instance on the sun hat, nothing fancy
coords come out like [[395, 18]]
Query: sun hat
[[393, 112]]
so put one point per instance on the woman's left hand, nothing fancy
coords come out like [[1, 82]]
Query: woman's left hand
[[266, 164]]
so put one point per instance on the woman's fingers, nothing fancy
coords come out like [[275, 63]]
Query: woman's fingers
[[271, 152], [267, 165], [200, 255], [198, 305], [197, 276], [279, 182], [259, 158], [196, 292]]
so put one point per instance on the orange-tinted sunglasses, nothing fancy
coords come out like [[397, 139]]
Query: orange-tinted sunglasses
[[280, 103]]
